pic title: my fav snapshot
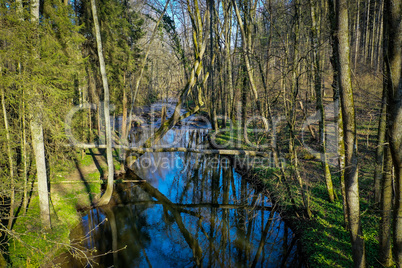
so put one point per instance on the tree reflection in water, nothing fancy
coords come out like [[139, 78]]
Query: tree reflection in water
[[198, 212]]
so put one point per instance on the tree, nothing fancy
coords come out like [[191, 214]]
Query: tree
[[37, 137], [10, 159], [385, 252], [228, 62], [195, 82], [144, 60], [319, 101], [382, 128], [245, 30], [110, 166], [393, 82], [350, 138], [334, 59]]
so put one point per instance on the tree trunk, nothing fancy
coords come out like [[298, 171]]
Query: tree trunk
[[10, 160], [246, 51], [228, 62], [124, 131], [35, 10], [244, 94], [291, 112], [211, 66], [367, 33], [373, 34], [25, 158], [380, 39], [109, 188], [357, 33], [39, 150], [385, 252], [350, 138], [38, 142], [393, 80], [271, 119], [319, 102], [382, 126], [124, 117], [337, 107]]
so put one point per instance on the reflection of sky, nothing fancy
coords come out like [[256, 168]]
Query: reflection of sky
[[228, 237]]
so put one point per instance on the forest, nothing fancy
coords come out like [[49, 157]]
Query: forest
[[312, 89]]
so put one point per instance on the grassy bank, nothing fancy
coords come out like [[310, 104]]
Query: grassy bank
[[325, 241], [74, 185]]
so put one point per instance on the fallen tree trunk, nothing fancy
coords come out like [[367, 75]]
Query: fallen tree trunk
[[177, 149], [201, 151]]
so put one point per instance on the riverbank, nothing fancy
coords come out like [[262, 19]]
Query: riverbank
[[325, 241], [74, 186]]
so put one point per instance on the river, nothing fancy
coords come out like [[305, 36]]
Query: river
[[193, 210]]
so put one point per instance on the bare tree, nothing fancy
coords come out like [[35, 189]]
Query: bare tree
[[319, 101], [350, 138], [109, 188]]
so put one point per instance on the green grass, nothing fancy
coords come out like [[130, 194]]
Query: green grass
[[33, 246], [324, 239], [235, 138], [86, 160], [93, 176]]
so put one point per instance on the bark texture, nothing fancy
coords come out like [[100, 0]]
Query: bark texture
[[350, 138], [393, 80]]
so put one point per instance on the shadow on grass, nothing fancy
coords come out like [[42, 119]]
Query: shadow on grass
[[29, 197], [82, 178], [97, 164]]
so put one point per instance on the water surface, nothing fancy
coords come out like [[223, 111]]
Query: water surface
[[193, 210]]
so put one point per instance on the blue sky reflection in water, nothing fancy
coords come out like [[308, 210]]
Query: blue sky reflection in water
[[197, 210]]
